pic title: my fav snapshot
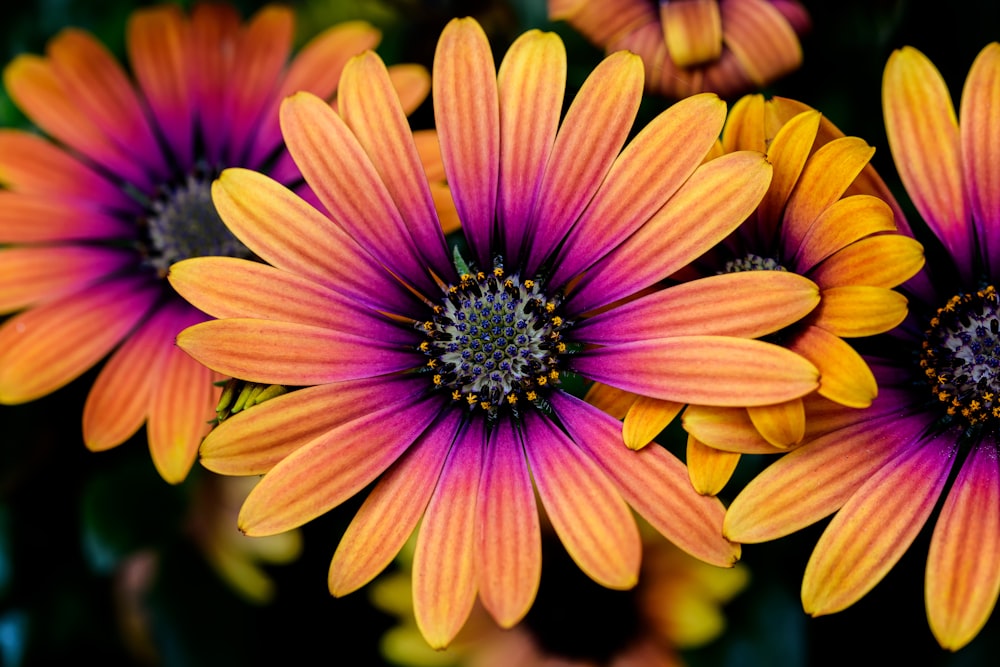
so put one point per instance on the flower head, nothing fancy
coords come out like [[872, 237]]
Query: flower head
[[690, 46], [829, 217], [933, 433], [92, 216], [442, 373]]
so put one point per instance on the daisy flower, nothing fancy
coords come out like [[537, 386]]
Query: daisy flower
[[931, 436], [443, 373], [92, 215], [825, 217], [689, 46]]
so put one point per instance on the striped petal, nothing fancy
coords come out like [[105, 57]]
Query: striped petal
[[344, 178], [718, 196], [46, 347], [963, 564], [586, 510], [288, 353], [391, 511], [980, 143], [467, 115], [290, 234], [859, 310], [844, 375], [531, 84], [725, 429], [824, 179], [508, 536], [36, 274], [158, 39], [641, 179], [330, 469], [763, 41], [254, 441], [444, 565], [842, 223], [692, 31], [788, 151], [616, 402], [28, 218], [227, 287], [215, 30], [653, 481], [815, 480], [923, 136], [581, 157], [100, 89], [709, 469], [646, 418], [118, 402], [885, 260], [182, 402], [746, 304], [850, 557], [31, 164], [781, 424], [707, 370], [371, 108]]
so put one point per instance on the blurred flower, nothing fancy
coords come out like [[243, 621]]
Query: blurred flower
[[366, 311], [884, 469], [824, 217], [689, 46], [93, 218], [676, 605]]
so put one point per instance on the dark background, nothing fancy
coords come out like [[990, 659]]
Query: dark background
[[68, 516]]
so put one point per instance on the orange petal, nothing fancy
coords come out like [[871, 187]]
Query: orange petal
[[859, 310], [842, 223], [467, 114], [581, 158], [333, 467], [980, 145], [616, 402], [714, 201], [43, 273], [885, 260], [371, 108], [46, 347], [844, 375], [781, 424], [763, 41], [31, 218], [182, 404], [742, 372], [744, 129], [653, 481], [646, 418], [815, 480], [508, 536], [254, 441], [788, 151], [918, 115], [692, 31], [444, 565], [708, 468], [587, 512], [391, 511], [531, 83], [725, 429], [850, 557], [963, 564]]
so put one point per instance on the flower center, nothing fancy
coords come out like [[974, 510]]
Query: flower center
[[183, 223], [495, 340], [961, 356], [752, 262]]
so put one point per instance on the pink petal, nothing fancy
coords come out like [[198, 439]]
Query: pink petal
[[980, 143]]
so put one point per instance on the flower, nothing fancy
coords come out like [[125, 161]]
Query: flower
[[92, 218], [367, 310], [932, 433], [825, 217], [677, 605], [690, 46]]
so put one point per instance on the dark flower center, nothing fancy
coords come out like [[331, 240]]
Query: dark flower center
[[575, 618], [495, 341], [183, 223], [960, 356], [752, 262]]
